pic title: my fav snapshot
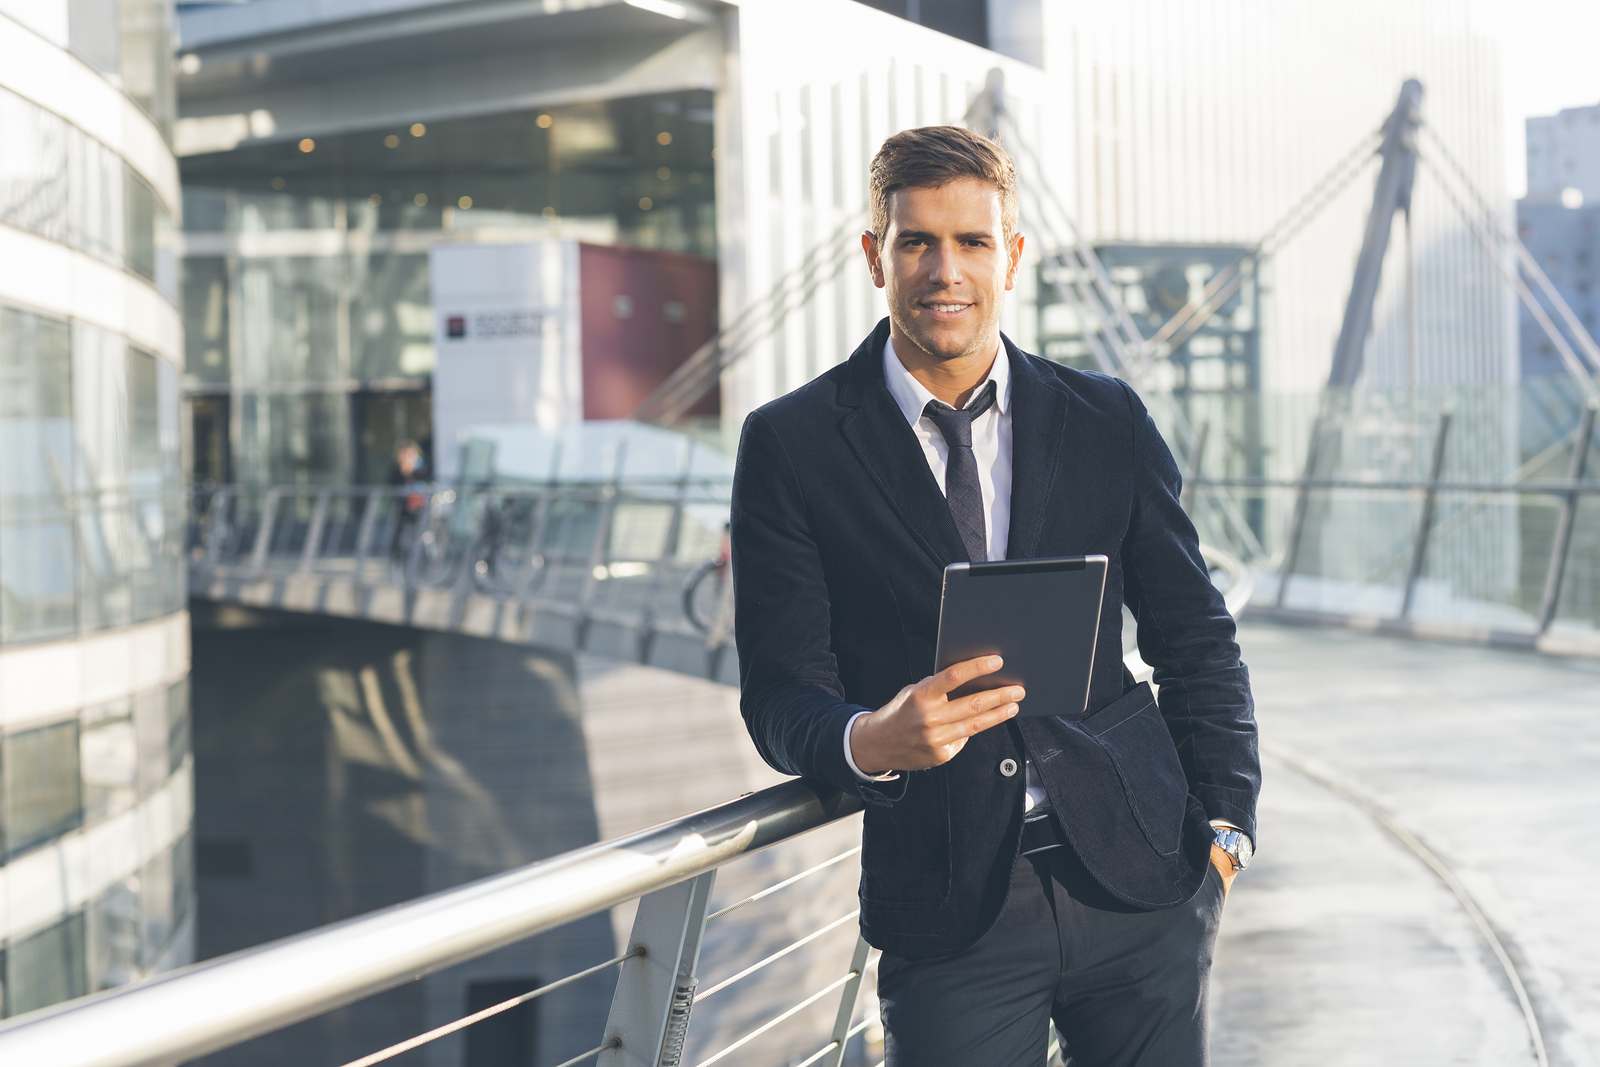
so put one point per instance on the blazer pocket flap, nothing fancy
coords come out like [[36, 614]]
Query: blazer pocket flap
[[1119, 710]]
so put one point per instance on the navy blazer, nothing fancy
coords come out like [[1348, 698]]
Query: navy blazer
[[840, 536]]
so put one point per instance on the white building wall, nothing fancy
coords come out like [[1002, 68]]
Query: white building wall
[[805, 105], [1207, 122]]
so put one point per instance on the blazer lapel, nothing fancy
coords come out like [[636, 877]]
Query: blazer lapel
[[1038, 435], [886, 447]]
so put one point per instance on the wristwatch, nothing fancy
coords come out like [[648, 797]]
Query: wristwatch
[[1236, 843]]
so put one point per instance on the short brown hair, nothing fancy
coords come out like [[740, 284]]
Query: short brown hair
[[931, 156]]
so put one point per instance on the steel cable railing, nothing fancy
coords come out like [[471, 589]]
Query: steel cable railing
[[669, 868]]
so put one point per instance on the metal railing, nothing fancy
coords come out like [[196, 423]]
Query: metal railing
[[635, 569], [1511, 560], [670, 869]]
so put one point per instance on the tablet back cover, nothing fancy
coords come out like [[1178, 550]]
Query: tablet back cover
[[1042, 616]]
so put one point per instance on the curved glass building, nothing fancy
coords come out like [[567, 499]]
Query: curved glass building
[[96, 883]]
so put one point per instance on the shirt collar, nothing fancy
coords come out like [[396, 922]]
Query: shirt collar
[[912, 396]]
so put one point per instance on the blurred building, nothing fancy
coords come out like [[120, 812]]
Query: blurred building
[[1564, 157], [96, 884], [326, 149]]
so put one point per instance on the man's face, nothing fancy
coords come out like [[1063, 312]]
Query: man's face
[[944, 266]]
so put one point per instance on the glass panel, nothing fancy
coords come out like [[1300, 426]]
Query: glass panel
[[391, 317], [1355, 549], [43, 795], [156, 899], [100, 400], [110, 752], [113, 929], [33, 167], [146, 57], [38, 565], [140, 219], [205, 319], [289, 321], [147, 534], [1486, 560], [301, 440], [152, 734], [179, 736], [47, 968]]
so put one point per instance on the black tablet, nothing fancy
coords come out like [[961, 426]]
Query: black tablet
[[1042, 616]]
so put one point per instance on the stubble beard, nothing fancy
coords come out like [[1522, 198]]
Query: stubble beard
[[909, 325]]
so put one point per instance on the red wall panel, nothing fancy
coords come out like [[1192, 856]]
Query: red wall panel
[[644, 312]]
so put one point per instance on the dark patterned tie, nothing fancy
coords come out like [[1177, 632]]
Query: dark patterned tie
[[961, 489]]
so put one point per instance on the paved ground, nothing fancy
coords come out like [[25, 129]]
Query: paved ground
[[1340, 946]]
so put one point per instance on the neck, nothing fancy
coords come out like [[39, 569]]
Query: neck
[[952, 381]]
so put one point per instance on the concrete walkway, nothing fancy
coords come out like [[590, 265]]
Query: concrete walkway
[[1340, 945]]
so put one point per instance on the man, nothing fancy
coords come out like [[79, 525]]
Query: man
[[1013, 870]]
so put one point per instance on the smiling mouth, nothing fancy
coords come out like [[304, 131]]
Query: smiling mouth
[[943, 307]]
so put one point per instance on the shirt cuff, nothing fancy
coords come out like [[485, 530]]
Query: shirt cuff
[[887, 776]]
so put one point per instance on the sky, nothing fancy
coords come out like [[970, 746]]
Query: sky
[[1548, 61]]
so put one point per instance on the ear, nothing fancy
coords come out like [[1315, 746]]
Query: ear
[[1014, 255], [869, 245]]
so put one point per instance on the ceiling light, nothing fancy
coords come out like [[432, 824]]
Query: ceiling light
[[464, 202], [307, 144], [645, 203], [421, 200], [391, 141], [544, 122], [663, 137], [418, 129], [1572, 197]]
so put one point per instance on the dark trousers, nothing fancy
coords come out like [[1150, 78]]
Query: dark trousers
[[1124, 987]]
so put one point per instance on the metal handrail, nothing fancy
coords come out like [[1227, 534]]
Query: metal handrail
[[213, 1005]]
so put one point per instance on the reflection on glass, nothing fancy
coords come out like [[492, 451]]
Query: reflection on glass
[[158, 911], [110, 761], [113, 929], [391, 317], [289, 320], [47, 967], [63, 184], [178, 727], [100, 404], [151, 728], [205, 306], [41, 789], [38, 570]]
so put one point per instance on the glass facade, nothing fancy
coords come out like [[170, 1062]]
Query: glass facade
[[95, 800], [91, 494], [58, 182], [80, 774], [307, 304]]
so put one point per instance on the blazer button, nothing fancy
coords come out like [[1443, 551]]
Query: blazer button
[[1008, 767]]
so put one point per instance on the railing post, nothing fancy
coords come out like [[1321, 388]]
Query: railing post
[[1562, 544], [369, 519], [599, 548], [269, 518], [319, 516], [1430, 497], [847, 1004], [650, 1010]]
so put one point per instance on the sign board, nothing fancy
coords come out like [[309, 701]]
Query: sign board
[[508, 336]]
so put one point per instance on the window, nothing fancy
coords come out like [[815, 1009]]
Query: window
[[47, 967], [39, 774]]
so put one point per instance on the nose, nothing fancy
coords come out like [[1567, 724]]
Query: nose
[[944, 266]]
